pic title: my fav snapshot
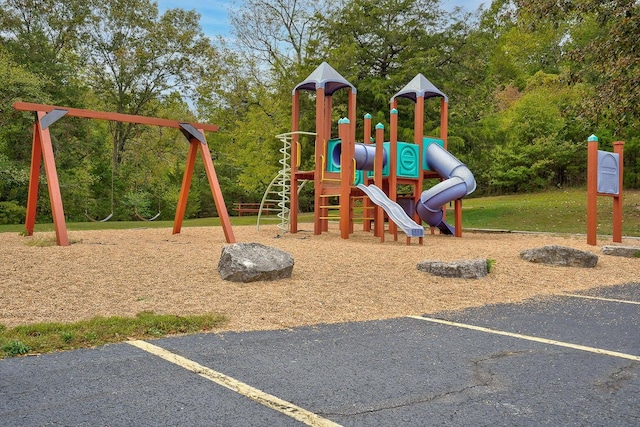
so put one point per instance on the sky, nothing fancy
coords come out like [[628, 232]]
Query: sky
[[215, 21]]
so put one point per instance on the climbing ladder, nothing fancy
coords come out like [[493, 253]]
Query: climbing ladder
[[280, 186]]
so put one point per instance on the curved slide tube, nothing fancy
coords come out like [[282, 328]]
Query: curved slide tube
[[394, 210], [459, 183]]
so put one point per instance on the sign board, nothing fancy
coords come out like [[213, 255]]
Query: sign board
[[608, 172]]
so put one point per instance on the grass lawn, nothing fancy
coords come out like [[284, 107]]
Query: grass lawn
[[559, 211]]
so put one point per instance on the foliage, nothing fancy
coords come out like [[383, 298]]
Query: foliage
[[601, 41], [136, 58], [277, 32], [15, 348], [528, 82], [376, 44], [18, 84], [11, 212]]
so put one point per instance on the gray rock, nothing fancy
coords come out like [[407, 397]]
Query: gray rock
[[466, 269], [560, 255], [625, 251], [250, 262]]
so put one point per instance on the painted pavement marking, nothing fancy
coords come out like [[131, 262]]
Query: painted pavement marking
[[623, 301], [529, 338], [268, 400]]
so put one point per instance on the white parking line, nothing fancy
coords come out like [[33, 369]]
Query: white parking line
[[530, 338], [601, 298], [268, 400]]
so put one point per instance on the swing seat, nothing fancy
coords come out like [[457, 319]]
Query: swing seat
[[98, 220], [140, 217]]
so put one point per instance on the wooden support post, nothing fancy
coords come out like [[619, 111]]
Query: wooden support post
[[393, 164], [592, 189], [186, 186], [42, 148], [34, 178], [346, 176], [55, 197], [216, 192], [377, 175], [418, 135], [366, 203], [319, 154], [618, 148], [444, 122], [458, 217]]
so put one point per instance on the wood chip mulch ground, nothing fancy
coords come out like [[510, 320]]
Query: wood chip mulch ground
[[124, 272]]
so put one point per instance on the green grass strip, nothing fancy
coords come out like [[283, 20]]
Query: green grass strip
[[42, 338]]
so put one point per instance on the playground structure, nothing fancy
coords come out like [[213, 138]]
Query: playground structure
[[347, 171], [46, 115], [604, 178]]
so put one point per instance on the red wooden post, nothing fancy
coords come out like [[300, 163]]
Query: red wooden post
[[377, 175], [186, 186], [34, 177], [55, 198], [444, 121], [458, 217], [319, 154], [366, 204], [618, 147], [592, 189], [418, 135], [393, 165], [216, 192], [42, 148], [346, 176]]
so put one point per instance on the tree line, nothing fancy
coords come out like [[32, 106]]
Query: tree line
[[528, 81]]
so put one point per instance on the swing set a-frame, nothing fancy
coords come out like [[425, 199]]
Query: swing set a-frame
[[42, 149]]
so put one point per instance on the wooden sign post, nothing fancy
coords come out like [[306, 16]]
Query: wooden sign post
[[604, 178]]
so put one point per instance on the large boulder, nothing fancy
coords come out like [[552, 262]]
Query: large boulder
[[250, 262], [466, 269], [560, 255], [625, 251]]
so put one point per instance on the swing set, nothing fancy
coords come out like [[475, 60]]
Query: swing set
[[42, 149]]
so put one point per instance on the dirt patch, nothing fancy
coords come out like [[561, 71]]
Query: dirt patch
[[123, 272]]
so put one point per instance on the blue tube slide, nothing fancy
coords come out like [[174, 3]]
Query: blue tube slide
[[364, 154], [459, 183]]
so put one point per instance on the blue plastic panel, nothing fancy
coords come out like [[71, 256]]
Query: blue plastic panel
[[330, 165], [408, 164]]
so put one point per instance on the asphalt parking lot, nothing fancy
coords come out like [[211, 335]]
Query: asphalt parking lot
[[562, 360]]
